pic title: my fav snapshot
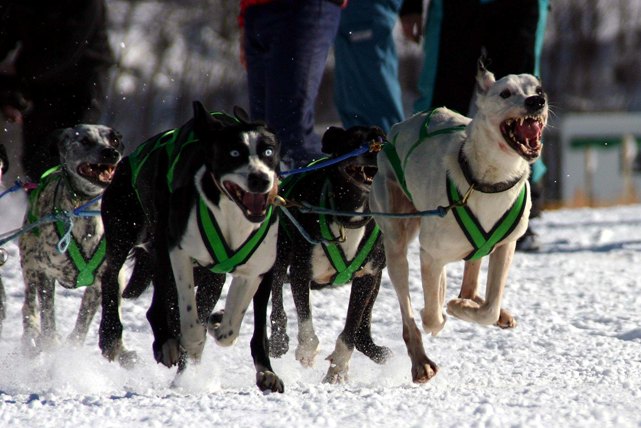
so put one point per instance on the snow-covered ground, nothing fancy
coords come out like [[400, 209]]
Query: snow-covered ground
[[573, 360]]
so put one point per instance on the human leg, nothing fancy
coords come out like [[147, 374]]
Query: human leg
[[366, 87]]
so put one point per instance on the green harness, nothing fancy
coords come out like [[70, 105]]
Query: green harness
[[344, 271], [86, 266], [218, 248], [174, 143], [483, 242]]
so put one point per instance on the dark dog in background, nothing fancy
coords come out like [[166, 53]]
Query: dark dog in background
[[88, 158], [352, 252], [199, 196]]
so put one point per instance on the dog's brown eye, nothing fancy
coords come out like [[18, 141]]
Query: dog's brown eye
[[505, 93], [539, 90]]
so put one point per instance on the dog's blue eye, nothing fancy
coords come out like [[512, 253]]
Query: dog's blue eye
[[505, 93], [268, 152], [234, 153]]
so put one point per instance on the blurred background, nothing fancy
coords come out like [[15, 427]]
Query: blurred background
[[172, 52]]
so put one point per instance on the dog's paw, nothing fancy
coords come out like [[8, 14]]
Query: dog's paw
[[306, 352], [278, 344], [506, 319], [223, 336], [469, 310], [168, 353], [433, 323], [268, 381], [30, 345], [423, 371], [378, 354], [335, 376]]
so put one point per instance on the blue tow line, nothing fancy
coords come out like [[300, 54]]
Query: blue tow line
[[323, 164], [64, 216]]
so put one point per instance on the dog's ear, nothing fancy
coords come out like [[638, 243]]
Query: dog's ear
[[332, 139], [203, 120], [55, 141], [241, 114], [484, 78]]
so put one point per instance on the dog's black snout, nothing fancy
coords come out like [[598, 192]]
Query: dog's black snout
[[535, 103], [109, 154], [258, 182]]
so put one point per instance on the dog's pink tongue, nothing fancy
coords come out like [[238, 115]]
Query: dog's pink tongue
[[530, 130], [254, 202]]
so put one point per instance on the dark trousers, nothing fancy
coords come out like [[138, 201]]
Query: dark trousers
[[286, 46], [510, 30]]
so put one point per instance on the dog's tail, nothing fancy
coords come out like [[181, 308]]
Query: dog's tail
[[140, 277]]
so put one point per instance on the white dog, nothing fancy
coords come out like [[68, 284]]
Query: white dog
[[479, 168]]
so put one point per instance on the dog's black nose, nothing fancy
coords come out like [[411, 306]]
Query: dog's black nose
[[258, 182], [109, 154], [535, 103]]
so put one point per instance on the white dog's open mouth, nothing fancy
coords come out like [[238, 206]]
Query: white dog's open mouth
[[253, 205], [97, 173], [524, 134]]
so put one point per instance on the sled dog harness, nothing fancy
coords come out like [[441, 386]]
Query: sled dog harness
[[86, 267], [482, 241], [225, 259], [345, 269]]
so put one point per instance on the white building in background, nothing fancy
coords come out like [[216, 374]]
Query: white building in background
[[598, 151]]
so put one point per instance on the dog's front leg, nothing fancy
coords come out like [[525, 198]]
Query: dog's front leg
[[433, 278], [357, 330], [488, 311], [88, 309], [226, 328], [469, 292], [470, 283], [192, 332], [30, 314], [423, 369], [266, 378]]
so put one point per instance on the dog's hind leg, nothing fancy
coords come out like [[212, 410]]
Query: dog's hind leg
[[488, 311], [46, 297], [469, 291], [279, 340], [88, 308], [308, 342], [434, 284], [363, 337], [356, 330], [266, 379]]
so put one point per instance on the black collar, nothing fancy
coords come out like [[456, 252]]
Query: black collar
[[480, 186]]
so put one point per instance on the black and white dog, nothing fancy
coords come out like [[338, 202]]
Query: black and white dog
[[88, 158], [351, 251], [193, 197]]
